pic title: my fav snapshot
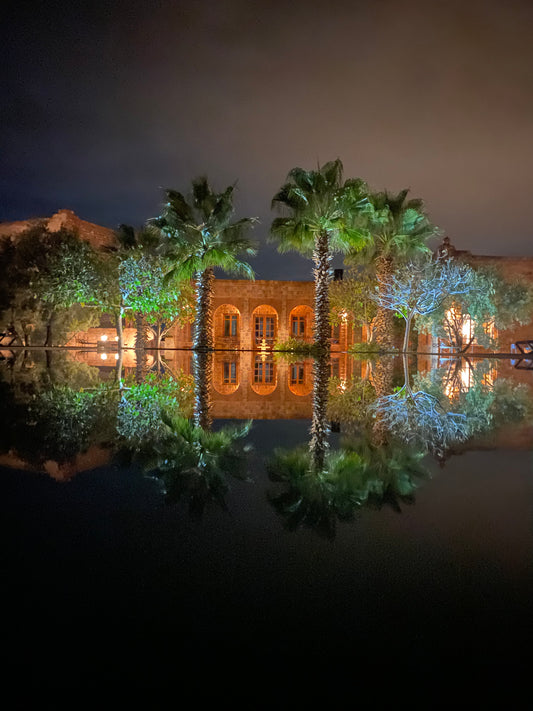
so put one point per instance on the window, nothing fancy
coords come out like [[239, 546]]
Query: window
[[230, 325], [298, 326], [297, 374], [230, 372], [264, 328], [335, 368], [263, 371], [335, 333]]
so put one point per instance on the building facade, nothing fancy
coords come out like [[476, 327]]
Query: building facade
[[254, 315]]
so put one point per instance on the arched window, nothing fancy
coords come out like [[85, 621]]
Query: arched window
[[265, 326], [301, 323]]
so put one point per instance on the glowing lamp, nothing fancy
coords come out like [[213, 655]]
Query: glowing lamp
[[103, 338]]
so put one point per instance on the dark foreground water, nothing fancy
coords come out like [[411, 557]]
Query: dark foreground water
[[106, 582]]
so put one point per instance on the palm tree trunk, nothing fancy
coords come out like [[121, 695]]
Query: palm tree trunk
[[384, 320], [203, 324], [323, 275]]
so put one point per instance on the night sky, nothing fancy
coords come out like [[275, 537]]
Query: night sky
[[105, 104]]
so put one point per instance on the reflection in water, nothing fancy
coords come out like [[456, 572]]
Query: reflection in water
[[188, 458], [324, 486], [443, 409], [57, 408], [194, 463]]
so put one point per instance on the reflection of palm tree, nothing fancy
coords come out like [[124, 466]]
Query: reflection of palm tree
[[319, 444], [323, 486], [194, 463], [383, 381], [203, 375], [190, 459], [359, 474]]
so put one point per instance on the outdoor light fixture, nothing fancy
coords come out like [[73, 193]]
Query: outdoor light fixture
[[103, 338], [103, 356]]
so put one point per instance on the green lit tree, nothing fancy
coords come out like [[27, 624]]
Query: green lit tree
[[324, 215], [49, 277], [400, 229], [202, 235], [351, 297]]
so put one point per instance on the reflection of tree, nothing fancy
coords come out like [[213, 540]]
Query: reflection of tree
[[355, 476], [167, 429], [203, 376], [143, 406], [194, 464], [430, 415], [324, 486], [53, 409], [349, 400], [319, 445]]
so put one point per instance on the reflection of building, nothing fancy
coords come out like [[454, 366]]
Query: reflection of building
[[256, 385]]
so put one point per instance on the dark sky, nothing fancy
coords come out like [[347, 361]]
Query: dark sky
[[104, 104]]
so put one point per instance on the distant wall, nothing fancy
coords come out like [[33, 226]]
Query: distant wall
[[96, 235]]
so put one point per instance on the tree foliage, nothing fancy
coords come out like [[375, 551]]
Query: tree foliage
[[324, 214], [422, 287], [200, 234], [494, 303]]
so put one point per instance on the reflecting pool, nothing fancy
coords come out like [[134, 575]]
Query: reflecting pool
[[249, 512]]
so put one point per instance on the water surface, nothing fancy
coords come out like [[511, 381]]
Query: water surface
[[116, 569]]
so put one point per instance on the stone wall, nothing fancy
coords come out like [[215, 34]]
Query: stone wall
[[97, 236]]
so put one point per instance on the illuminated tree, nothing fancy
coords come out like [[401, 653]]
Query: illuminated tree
[[47, 275], [351, 296], [201, 235], [496, 303], [400, 230], [324, 216], [420, 288]]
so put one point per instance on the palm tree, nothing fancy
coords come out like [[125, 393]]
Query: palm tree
[[399, 230], [323, 217], [201, 236]]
